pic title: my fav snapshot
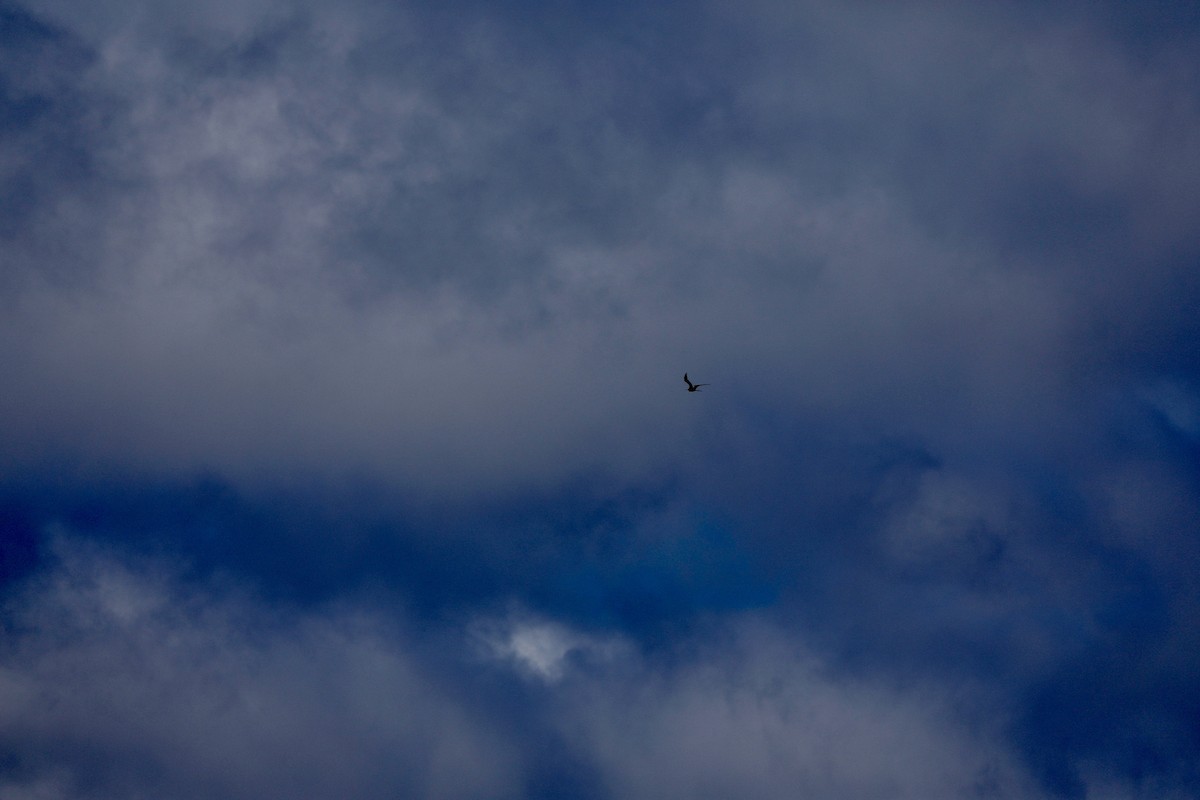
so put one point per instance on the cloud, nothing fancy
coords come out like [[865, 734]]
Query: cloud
[[542, 647], [763, 718], [119, 681], [402, 296], [437, 258]]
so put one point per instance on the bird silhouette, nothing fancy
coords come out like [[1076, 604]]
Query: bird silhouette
[[692, 387]]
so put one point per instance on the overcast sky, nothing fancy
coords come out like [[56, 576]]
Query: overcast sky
[[345, 449]]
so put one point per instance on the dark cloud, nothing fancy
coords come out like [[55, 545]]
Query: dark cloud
[[395, 300]]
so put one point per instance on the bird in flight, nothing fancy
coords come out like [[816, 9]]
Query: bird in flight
[[692, 387]]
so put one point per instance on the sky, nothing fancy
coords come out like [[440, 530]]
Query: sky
[[345, 450]]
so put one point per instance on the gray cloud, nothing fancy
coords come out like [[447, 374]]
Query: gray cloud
[[937, 263], [320, 248], [122, 683], [119, 680], [763, 718]]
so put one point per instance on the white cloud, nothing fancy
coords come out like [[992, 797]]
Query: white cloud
[[543, 647]]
